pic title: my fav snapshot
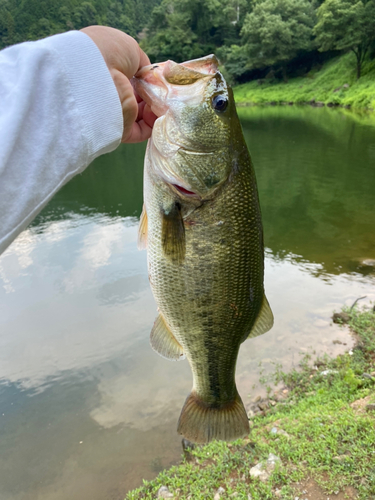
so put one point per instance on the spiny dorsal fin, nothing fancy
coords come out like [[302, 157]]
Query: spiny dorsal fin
[[142, 230], [264, 321], [173, 235], [163, 341]]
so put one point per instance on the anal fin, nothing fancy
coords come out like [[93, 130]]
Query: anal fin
[[264, 321], [142, 230], [163, 341]]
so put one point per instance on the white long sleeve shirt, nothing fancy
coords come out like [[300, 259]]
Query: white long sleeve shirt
[[59, 110]]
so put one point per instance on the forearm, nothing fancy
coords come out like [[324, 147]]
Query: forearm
[[59, 109]]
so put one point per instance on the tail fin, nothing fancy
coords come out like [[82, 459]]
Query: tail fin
[[201, 423]]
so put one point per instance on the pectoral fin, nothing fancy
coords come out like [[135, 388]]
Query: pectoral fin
[[264, 321], [163, 341], [142, 230], [173, 234]]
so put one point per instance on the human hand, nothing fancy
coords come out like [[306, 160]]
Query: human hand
[[124, 58]]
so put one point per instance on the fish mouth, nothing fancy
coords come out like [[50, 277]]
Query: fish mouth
[[162, 83], [184, 191]]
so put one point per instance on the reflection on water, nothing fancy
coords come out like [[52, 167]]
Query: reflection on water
[[87, 409], [316, 176]]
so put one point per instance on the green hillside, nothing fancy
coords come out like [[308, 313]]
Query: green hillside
[[334, 84]]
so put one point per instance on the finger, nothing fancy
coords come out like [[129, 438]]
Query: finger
[[139, 132], [137, 96], [145, 113], [141, 106], [143, 59], [148, 116]]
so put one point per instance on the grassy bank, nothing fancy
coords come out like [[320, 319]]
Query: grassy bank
[[334, 84], [320, 425]]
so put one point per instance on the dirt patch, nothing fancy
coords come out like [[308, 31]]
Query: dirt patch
[[309, 489], [359, 406]]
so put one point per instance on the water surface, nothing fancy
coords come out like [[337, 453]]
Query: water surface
[[87, 409]]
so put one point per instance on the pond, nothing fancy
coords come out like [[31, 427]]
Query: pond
[[87, 409]]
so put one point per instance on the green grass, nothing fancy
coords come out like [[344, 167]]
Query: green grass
[[318, 86], [326, 438]]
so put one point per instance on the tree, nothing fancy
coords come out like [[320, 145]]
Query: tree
[[346, 24], [6, 26], [185, 29], [276, 31], [85, 15], [122, 17]]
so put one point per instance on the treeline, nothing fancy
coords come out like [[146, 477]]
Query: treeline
[[252, 38], [22, 20]]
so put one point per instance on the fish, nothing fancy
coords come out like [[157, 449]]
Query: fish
[[201, 224]]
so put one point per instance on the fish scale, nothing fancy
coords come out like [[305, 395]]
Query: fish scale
[[205, 251]]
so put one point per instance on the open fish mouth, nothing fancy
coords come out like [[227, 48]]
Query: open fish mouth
[[161, 84], [185, 191]]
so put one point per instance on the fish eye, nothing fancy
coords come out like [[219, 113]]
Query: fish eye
[[219, 103]]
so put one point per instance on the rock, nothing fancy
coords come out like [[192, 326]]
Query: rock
[[290, 103], [218, 494], [346, 86], [273, 430], [328, 372], [370, 407], [164, 492], [341, 317], [367, 375], [340, 458], [368, 262], [319, 104], [233, 495], [187, 447], [336, 90], [263, 406], [263, 469]]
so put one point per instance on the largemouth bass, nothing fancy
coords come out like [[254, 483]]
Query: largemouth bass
[[201, 224]]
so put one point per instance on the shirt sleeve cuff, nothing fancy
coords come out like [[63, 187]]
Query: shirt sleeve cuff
[[93, 90]]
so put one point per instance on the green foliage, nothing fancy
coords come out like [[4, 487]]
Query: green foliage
[[22, 20], [185, 29], [277, 30], [326, 85], [323, 436], [346, 24]]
